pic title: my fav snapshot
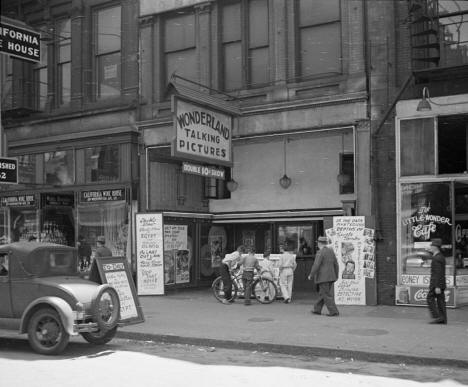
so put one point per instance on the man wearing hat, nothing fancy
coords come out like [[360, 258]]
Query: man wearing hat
[[102, 250], [325, 272], [436, 296]]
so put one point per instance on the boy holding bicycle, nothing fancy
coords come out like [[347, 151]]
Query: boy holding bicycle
[[249, 264], [229, 262]]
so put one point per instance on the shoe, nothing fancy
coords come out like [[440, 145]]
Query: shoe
[[314, 312], [438, 321], [286, 301], [226, 302], [333, 314]]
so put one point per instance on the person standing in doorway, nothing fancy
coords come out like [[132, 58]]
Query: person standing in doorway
[[325, 272], [84, 252], [229, 262], [287, 264], [102, 250], [436, 295]]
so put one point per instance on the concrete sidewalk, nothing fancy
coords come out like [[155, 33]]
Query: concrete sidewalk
[[394, 334]]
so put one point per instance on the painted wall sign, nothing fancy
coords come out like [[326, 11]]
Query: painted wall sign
[[22, 43], [201, 133], [104, 195], [424, 223], [18, 200], [203, 170], [150, 253], [422, 279]]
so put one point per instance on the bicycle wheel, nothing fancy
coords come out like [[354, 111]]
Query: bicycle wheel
[[264, 290], [218, 290]]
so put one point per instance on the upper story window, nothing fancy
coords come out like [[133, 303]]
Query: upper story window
[[59, 167], [102, 163], [7, 86], [318, 38], [63, 52], [107, 40], [40, 79], [180, 53], [27, 168], [245, 44]]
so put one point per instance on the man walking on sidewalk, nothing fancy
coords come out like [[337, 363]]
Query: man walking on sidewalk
[[436, 296], [325, 272]]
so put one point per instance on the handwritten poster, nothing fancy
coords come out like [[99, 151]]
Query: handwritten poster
[[353, 244], [118, 279], [150, 253]]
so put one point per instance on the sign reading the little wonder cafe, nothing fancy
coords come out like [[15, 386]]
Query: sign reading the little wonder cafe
[[202, 134]]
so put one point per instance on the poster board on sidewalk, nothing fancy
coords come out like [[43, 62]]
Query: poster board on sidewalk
[[116, 272], [149, 232], [354, 247]]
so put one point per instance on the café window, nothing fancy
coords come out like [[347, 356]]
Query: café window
[[59, 167], [318, 37], [431, 146], [107, 39], [180, 53], [426, 213], [102, 163], [245, 44]]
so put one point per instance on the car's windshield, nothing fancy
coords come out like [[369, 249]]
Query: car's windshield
[[50, 263]]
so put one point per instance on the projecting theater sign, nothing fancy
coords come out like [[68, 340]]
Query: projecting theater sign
[[202, 134]]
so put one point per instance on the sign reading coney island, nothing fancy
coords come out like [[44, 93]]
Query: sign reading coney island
[[201, 133]]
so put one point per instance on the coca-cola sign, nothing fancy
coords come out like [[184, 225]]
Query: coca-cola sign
[[418, 295]]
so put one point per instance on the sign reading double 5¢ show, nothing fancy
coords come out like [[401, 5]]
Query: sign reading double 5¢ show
[[202, 134]]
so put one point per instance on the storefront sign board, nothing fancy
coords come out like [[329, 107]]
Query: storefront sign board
[[422, 280], [353, 245], [18, 200], [203, 170], [201, 133], [57, 200], [150, 252], [116, 272], [417, 295], [462, 280], [103, 195], [8, 170], [20, 42], [177, 255]]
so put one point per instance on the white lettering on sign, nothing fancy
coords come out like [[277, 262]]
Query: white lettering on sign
[[203, 170], [425, 223], [119, 281]]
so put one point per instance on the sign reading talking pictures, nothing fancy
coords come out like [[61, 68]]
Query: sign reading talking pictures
[[116, 272], [201, 133], [150, 253]]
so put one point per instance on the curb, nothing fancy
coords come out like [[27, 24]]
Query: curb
[[296, 350]]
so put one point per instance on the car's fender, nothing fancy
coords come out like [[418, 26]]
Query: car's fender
[[61, 306]]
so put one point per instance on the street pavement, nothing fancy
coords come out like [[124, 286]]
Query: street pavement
[[394, 334]]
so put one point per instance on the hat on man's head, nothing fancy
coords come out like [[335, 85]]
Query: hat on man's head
[[322, 239], [436, 242], [101, 239]]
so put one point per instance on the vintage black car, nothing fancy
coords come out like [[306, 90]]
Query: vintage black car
[[42, 294]]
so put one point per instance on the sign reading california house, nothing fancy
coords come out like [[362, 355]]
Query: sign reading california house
[[20, 42], [202, 134]]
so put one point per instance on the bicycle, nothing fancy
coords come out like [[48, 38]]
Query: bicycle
[[263, 289]]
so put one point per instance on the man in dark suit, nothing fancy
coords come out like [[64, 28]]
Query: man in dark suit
[[436, 296], [325, 272]]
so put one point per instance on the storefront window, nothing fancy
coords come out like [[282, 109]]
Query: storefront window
[[426, 213], [107, 219], [23, 224], [27, 169], [213, 242], [302, 238], [102, 163], [59, 167], [178, 253], [417, 147]]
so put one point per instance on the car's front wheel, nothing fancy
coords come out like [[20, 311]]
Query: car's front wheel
[[99, 337], [46, 332]]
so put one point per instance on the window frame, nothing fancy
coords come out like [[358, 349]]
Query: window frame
[[97, 56], [59, 64], [245, 47]]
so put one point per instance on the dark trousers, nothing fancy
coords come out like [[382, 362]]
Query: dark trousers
[[326, 292], [227, 281], [436, 303], [247, 279]]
